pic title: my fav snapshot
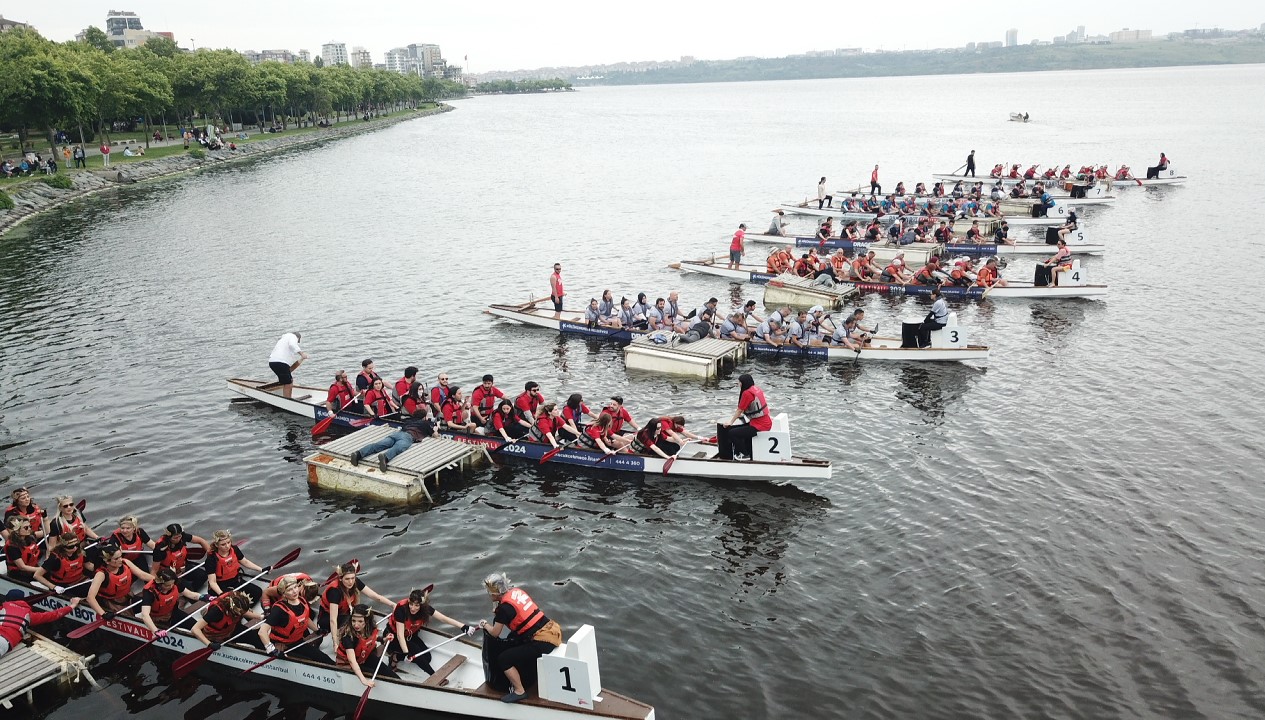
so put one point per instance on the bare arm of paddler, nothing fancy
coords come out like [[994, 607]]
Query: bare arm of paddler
[[113, 564]]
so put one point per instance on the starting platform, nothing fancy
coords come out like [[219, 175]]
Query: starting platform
[[800, 293], [701, 358], [405, 479], [44, 661]]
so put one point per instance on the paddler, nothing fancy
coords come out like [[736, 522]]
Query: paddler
[[894, 272], [286, 357], [844, 335], [172, 551], [778, 226], [288, 623], [548, 423], [735, 441], [735, 327], [222, 620], [409, 617], [224, 565], [23, 506], [646, 440], [22, 551], [517, 637], [483, 400], [377, 401], [111, 587], [64, 568], [573, 414], [131, 538], [366, 376], [506, 423], [527, 403], [272, 593], [342, 395], [988, 275], [439, 394], [597, 435], [417, 427], [338, 597], [68, 520], [405, 383], [456, 410], [160, 601], [357, 646], [619, 415]]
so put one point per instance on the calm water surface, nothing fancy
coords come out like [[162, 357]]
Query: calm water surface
[[1072, 530]]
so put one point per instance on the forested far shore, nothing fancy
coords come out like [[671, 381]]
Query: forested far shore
[[87, 88]]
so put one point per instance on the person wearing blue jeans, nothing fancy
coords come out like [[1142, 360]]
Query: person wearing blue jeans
[[418, 426]]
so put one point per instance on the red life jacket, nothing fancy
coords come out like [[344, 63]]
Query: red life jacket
[[484, 400], [74, 525], [340, 391], [164, 603], [69, 572], [411, 626], [117, 585], [369, 377], [527, 613], [33, 515], [30, 553], [452, 412], [297, 576], [364, 649], [224, 627], [378, 401], [410, 405], [295, 626], [402, 387], [174, 558], [227, 568], [135, 544], [350, 598]]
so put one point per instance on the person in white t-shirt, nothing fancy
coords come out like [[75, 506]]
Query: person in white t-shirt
[[285, 359]]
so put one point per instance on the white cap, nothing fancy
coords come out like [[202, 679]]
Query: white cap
[[816, 309], [897, 262]]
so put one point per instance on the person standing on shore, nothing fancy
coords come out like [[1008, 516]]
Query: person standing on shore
[[875, 188], [970, 165], [285, 359], [555, 289]]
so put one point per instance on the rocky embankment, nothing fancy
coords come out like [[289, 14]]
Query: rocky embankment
[[36, 197]]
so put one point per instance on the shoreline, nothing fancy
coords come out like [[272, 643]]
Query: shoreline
[[35, 197]]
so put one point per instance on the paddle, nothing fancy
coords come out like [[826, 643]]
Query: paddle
[[163, 633], [549, 455], [364, 697], [281, 654], [668, 465], [323, 425], [50, 593], [609, 454], [193, 661], [103, 619], [419, 653]]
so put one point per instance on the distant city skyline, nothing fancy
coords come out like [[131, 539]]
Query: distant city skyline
[[503, 35]]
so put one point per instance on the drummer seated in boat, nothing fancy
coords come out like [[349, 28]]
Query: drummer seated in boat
[[593, 316], [988, 277], [735, 327], [1060, 262]]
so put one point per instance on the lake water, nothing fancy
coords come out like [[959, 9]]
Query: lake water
[[1070, 530]]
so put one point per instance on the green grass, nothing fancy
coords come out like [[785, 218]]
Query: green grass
[[117, 157]]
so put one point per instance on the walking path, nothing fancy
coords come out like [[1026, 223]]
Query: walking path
[[34, 197]]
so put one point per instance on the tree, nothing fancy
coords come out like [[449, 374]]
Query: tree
[[162, 46], [42, 84], [318, 62], [97, 38]]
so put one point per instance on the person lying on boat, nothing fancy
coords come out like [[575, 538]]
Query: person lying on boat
[[287, 625], [456, 412], [894, 272], [342, 396], [342, 593], [223, 618], [734, 328], [1060, 262], [778, 226], [17, 617], [988, 277], [356, 646], [705, 327], [770, 331], [415, 428], [547, 426], [1069, 226]]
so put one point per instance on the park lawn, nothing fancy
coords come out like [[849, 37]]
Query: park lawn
[[118, 158]]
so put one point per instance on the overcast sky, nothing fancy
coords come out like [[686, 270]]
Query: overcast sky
[[513, 34]]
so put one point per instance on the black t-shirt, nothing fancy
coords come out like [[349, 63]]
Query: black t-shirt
[[149, 597], [164, 545], [419, 428], [213, 615], [335, 594], [210, 565], [402, 614]]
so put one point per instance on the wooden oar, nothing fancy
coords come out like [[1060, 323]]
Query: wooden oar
[[323, 425], [103, 619], [281, 654], [364, 697], [193, 661]]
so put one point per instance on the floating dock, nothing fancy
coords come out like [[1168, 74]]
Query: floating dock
[[702, 358], [30, 666], [800, 293], [405, 479]]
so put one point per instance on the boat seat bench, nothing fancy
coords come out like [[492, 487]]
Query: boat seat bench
[[444, 671]]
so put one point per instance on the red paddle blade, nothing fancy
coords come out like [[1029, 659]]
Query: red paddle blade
[[190, 662], [289, 558], [85, 629], [360, 707], [668, 465], [323, 425], [545, 458]]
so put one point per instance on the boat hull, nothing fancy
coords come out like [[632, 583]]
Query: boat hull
[[803, 241], [975, 292], [880, 352]]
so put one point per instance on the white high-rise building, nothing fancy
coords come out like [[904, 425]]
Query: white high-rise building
[[305, 56], [334, 53], [360, 58], [1012, 37]]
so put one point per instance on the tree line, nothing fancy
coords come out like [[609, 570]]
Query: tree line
[[522, 86], [86, 86]]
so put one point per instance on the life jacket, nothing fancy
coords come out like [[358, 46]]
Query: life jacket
[[69, 572], [644, 439], [402, 387], [1031, 173], [838, 262], [164, 603], [342, 394], [301, 577], [411, 626], [62, 525], [350, 598], [527, 615], [986, 277], [227, 569], [543, 426], [222, 628], [452, 412], [369, 377], [33, 515], [129, 545], [591, 434], [925, 276], [363, 650], [486, 400], [296, 623], [117, 585], [409, 404], [173, 557], [1122, 174], [802, 268], [30, 554], [378, 401], [889, 273], [758, 407], [532, 403]]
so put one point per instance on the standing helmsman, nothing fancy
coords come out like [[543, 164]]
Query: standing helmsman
[[518, 635], [285, 359]]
